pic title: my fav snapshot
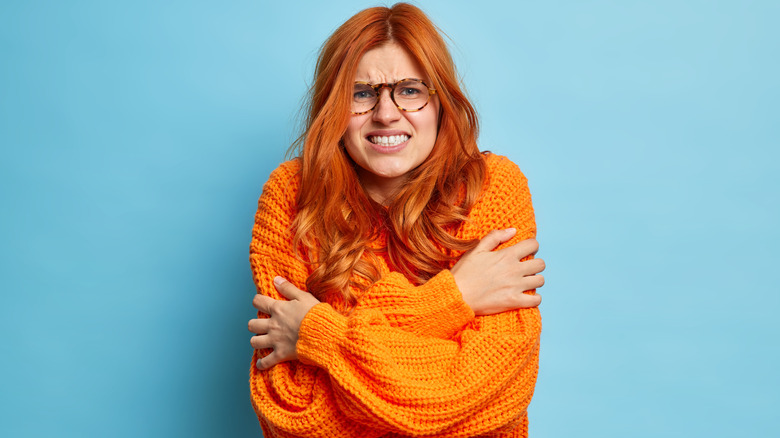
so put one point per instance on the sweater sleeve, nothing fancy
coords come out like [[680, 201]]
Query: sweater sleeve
[[362, 375]]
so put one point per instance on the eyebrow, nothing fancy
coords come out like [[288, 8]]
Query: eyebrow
[[393, 82]]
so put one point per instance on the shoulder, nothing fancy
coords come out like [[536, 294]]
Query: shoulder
[[276, 210], [502, 170], [284, 178], [504, 202], [283, 184], [504, 177]]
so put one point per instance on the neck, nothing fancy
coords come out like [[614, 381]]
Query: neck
[[381, 190]]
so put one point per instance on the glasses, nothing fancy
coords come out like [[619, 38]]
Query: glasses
[[407, 94]]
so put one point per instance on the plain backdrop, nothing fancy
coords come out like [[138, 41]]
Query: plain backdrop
[[136, 137]]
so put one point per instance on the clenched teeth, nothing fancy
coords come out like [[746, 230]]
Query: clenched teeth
[[389, 140]]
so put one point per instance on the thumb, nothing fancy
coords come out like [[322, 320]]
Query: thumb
[[287, 289], [494, 238]]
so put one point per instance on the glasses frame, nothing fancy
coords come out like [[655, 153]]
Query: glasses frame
[[378, 87]]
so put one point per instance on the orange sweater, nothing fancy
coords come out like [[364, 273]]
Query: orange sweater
[[408, 360]]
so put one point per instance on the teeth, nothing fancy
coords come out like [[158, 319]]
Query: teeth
[[389, 140]]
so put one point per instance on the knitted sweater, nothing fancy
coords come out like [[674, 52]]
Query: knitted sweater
[[407, 360]]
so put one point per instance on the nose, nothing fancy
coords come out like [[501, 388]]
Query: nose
[[385, 111]]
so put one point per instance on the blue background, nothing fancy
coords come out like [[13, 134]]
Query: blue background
[[136, 136]]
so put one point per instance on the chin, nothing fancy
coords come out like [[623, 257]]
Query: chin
[[390, 170]]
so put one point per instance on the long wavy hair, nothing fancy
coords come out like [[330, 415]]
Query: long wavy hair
[[336, 219]]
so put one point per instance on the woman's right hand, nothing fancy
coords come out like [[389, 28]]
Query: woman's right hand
[[494, 281]]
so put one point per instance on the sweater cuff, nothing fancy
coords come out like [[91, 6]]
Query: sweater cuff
[[320, 328], [446, 303]]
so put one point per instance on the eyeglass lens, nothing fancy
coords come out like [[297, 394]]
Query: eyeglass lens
[[409, 95]]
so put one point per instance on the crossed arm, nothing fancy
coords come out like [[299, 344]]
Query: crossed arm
[[490, 282], [404, 350]]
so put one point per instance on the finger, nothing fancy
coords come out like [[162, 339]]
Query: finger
[[537, 281], [263, 303], [261, 342], [267, 362], [523, 249], [494, 238], [532, 282], [526, 301], [532, 266], [287, 289], [259, 326]]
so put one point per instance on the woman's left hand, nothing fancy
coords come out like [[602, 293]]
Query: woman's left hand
[[280, 331]]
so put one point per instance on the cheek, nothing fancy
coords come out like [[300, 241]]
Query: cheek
[[354, 125], [427, 124], [352, 138]]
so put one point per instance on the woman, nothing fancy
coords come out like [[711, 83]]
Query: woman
[[414, 326]]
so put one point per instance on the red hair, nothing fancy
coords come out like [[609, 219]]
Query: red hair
[[336, 219]]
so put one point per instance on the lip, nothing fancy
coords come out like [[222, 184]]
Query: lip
[[388, 149]]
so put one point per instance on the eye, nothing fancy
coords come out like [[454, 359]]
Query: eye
[[408, 91], [363, 93], [411, 91]]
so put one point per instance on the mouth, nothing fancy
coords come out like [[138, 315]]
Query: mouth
[[388, 141]]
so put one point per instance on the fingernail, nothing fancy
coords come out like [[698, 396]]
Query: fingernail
[[279, 280], [511, 230]]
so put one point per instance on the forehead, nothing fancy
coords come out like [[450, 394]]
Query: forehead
[[386, 64]]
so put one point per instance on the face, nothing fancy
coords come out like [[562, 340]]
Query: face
[[388, 143]]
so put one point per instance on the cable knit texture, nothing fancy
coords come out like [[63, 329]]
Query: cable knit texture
[[407, 360]]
